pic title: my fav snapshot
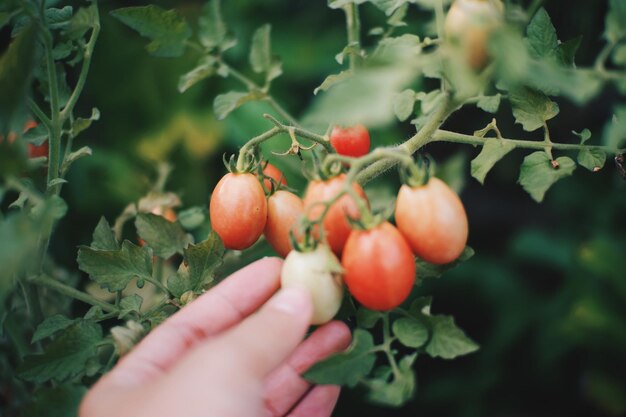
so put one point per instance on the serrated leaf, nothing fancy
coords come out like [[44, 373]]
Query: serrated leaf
[[94, 313], [592, 159], [129, 305], [205, 68], [367, 318], [201, 262], [166, 29], [410, 331], [489, 104], [260, 50], [567, 50], [542, 38], [83, 20], [59, 18], [532, 108], [493, 150], [103, 237], [81, 124], [212, 30], [164, 237], [50, 326], [615, 30], [224, 104], [66, 356], [447, 340], [403, 104], [427, 270], [400, 390], [346, 368], [114, 269], [537, 174], [331, 80]]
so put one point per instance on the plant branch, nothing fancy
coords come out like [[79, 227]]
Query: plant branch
[[53, 284], [39, 114], [353, 26]]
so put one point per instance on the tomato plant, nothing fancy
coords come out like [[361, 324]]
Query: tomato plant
[[379, 267], [319, 272], [238, 210], [350, 141]]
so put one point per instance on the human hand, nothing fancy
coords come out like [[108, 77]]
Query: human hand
[[216, 358]]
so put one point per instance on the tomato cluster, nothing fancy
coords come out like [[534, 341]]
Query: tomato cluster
[[375, 259]]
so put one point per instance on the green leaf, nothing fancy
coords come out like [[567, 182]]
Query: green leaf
[[130, 305], [615, 130], [331, 80], [81, 124], [212, 30], [567, 50], [397, 392], [260, 51], [346, 368], [584, 136], [532, 108], [537, 174], [192, 218], [83, 20], [60, 401], [50, 326], [76, 155], [619, 55], [114, 269], [103, 237], [37, 135], [164, 237], [205, 68], [66, 356], [426, 270], [489, 104], [166, 29], [592, 159], [403, 104], [493, 150], [421, 306], [16, 66], [615, 30], [447, 340], [542, 39], [200, 264], [224, 104], [59, 18], [410, 331], [367, 318]]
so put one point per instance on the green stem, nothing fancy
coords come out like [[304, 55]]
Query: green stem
[[387, 339], [604, 54], [72, 292], [281, 111], [55, 122], [158, 284], [31, 296], [39, 114], [411, 146], [447, 136], [547, 141], [353, 26]]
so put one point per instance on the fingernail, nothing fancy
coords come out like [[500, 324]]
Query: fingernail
[[290, 300]]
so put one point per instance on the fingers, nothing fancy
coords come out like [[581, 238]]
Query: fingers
[[320, 402], [220, 308], [251, 350], [284, 386]]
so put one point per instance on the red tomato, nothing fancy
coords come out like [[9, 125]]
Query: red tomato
[[274, 173], [350, 141], [335, 222], [433, 220], [283, 211], [238, 210], [35, 151], [379, 267]]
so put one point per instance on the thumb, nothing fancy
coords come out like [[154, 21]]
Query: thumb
[[259, 343]]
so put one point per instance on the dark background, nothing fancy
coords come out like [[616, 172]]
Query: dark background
[[544, 295]]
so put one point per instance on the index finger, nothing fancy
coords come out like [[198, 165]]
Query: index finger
[[228, 303]]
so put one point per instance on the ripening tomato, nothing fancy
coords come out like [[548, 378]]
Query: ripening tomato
[[238, 210], [350, 141], [433, 220], [318, 272], [35, 151], [336, 225], [469, 23], [283, 211], [274, 173], [379, 267]]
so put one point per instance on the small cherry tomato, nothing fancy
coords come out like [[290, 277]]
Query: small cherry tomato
[[379, 267], [283, 211], [350, 141], [433, 220], [274, 173], [336, 225], [238, 210], [318, 272], [469, 23], [35, 151]]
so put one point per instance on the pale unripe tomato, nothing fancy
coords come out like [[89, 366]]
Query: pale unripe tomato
[[433, 220], [469, 23], [317, 271]]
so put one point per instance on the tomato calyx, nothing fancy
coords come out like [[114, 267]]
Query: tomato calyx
[[419, 172]]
